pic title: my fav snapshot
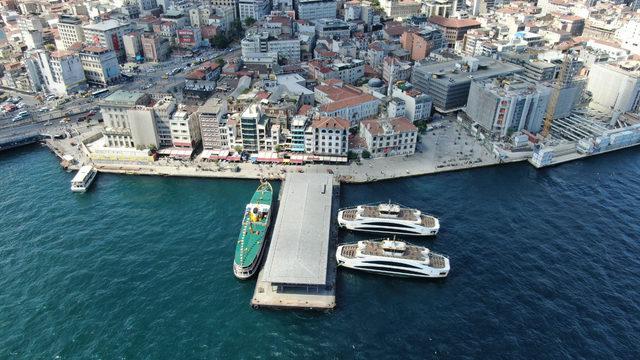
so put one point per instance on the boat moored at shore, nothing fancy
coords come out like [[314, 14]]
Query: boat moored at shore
[[255, 223], [388, 218], [83, 179], [393, 258]]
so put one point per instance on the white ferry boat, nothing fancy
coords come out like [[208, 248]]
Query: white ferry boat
[[388, 218], [394, 258], [83, 179]]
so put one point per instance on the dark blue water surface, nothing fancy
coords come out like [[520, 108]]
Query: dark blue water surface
[[545, 264]]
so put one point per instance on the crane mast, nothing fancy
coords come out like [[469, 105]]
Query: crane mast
[[564, 80]]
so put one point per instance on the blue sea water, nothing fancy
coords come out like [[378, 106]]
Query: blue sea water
[[545, 265]]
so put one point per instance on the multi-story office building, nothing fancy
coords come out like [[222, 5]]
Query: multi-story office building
[[328, 136], [504, 106], [629, 35], [298, 129], [395, 70], [261, 47], [108, 34], [389, 137], [417, 106], [420, 43], [31, 31], [70, 31], [350, 71], [315, 9], [331, 27], [61, 71], [154, 47], [448, 82], [256, 9], [132, 46], [185, 130], [444, 8], [163, 109], [129, 123], [100, 65], [213, 124], [453, 29], [400, 9], [615, 89]]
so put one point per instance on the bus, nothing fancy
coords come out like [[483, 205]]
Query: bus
[[99, 92]]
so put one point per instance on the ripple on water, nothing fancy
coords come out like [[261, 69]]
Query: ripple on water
[[545, 265]]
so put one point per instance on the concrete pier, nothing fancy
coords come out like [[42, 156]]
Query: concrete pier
[[300, 271]]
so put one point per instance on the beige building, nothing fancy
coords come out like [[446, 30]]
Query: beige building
[[389, 137], [328, 136]]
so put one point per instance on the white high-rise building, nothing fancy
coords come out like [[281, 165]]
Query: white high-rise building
[[109, 34], [70, 31], [504, 106], [615, 88], [256, 9], [61, 72], [629, 35], [315, 9]]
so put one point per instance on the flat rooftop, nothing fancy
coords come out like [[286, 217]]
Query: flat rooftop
[[298, 253], [122, 97], [447, 71]]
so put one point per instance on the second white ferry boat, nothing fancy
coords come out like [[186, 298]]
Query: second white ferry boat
[[388, 218], [395, 258], [83, 179]]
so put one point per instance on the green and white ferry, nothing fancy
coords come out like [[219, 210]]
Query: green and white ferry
[[255, 223]]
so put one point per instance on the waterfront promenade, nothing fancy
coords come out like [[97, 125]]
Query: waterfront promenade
[[448, 148]]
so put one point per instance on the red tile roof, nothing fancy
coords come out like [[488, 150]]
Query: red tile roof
[[349, 102], [399, 124], [453, 23], [331, 123]]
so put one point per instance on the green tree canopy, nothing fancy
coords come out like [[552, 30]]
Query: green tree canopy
[[249, 21]]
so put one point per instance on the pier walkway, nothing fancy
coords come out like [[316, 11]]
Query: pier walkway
[[300, 270]]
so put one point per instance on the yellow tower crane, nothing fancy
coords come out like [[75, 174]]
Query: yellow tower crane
[[564, 79]]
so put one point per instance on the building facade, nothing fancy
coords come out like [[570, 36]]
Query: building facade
[[389, 136], [100, 65]]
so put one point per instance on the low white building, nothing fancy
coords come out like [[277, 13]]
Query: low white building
[[389, 136]]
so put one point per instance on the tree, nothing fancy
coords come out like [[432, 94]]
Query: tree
[[220, 41], [351, 155], [248, 21], [236, 27], [220, 61], [278, 148], [238, 148], [366, 154]]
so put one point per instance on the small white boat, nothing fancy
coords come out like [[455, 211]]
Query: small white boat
[[83, 179], [394, 258], [388, 218]]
